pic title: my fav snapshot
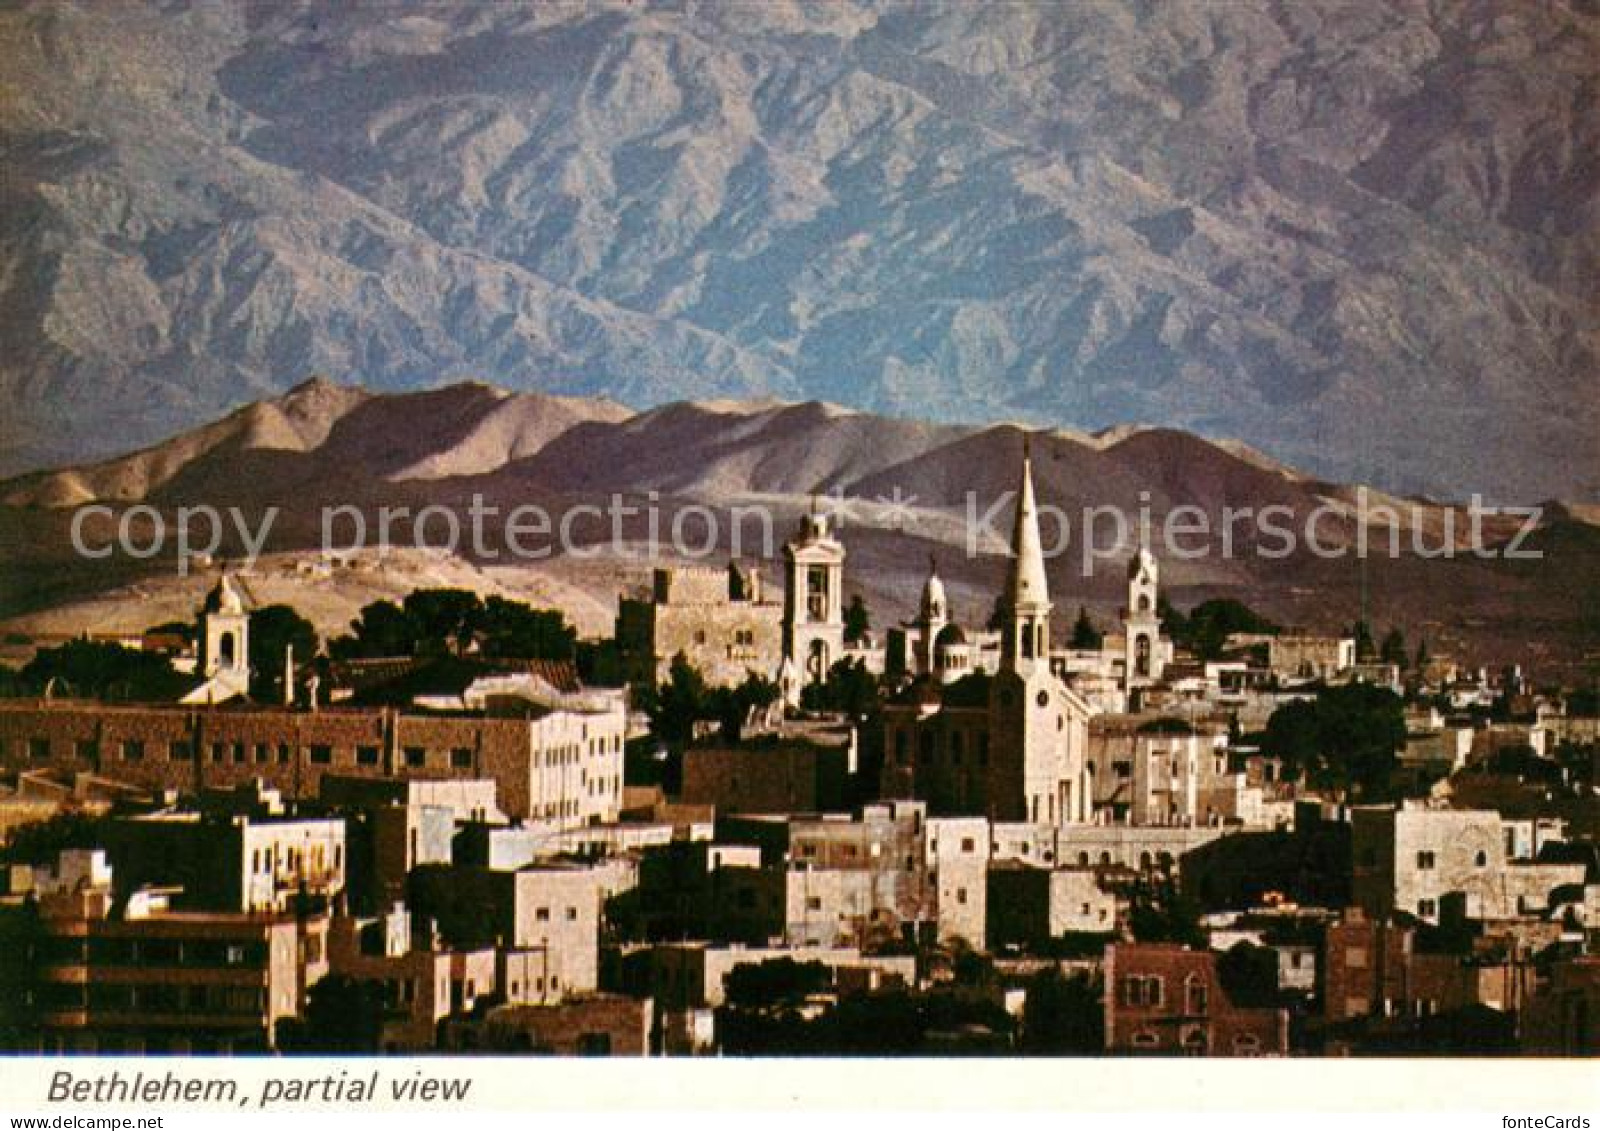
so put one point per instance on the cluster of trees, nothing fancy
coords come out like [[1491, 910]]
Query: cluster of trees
[[96, 669], [849, 688], [1392, 649], [684, 699], [1345, 738], [452, 622], [429, 622], [1205, 629], [762, 1016], [1063, 1015]]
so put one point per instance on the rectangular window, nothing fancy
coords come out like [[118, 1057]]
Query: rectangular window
[[263, 753], [39, 749], [180, 751], [1425, 861], [219, 750], [133, 750], [283, 753], [542, 914], [572, 914], [366, 755], [321, 755], [238, 754], [461, 758], [87, 749], [416, 757]]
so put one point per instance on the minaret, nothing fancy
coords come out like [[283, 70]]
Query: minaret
[[224, 633], [813, 600], [933, 615], [1026, 644], [1142, 651]]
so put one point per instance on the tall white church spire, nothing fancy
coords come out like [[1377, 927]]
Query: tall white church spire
[[1027, 594]]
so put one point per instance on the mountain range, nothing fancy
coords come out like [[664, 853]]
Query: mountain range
[[900, 491], [1364, 239]]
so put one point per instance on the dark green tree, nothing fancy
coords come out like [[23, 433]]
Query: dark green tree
[[733, 704], [1393, 649], [1160, 911], [445, 619], [999, 614], [1062, 1016], [1206, 629], [857, 622], [849, 688], [512, 629], [100, 670], [41, 842], [1366, 650], [343, 1015], [1249, 975], [677, 704], [1347, 738], [775, 982], [1085, 636], [274, 628], [382, 628]]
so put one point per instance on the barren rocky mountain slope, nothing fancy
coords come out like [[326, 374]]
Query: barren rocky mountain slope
[[902, 491], [1363, 238]]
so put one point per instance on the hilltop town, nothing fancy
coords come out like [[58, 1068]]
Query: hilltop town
[[749, 821]]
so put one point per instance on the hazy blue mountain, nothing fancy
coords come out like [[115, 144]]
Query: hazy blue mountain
[[1363, 238]]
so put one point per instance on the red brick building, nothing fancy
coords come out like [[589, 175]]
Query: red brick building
[[1166, 1000]]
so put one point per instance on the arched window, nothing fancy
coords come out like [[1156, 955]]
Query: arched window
[[1141, 655], [817, 661], [1196, 997], [227, 649]]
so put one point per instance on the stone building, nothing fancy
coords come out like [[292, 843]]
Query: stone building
[[561, 767], [1374, 968], [1145, 849], [1563, 1017], [1009, 747], [421, 982], [239, 864], [593, 1025], [554, 910], [1300, 657], [720, 620], [394, 826], [1164, 1000], [1414, 857], [130, 975], [776, 776], [1156, 770]]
